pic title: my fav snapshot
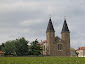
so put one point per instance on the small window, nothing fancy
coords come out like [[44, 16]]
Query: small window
[[59, 46]]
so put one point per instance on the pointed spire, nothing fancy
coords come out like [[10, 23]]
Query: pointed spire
[[50, 26], [65, 26]]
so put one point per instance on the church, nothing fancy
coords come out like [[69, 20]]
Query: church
[[54, 45]]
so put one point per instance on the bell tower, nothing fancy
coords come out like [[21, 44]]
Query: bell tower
[[66, 37], [50, 37]]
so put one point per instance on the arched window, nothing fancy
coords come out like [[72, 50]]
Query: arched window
[[59, 46]]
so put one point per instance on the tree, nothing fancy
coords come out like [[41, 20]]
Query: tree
[[21, 47], [1, 46], [9, 47], [77, 53], [35, 48], [15, 47]]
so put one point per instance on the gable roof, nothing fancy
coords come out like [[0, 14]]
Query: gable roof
[[1, 52], [81, 48], [43, 42]]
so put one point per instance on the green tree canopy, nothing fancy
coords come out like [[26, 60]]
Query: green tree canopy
[[16, 47], [1, 46], [9, 47], [21, 47], [35, 48]]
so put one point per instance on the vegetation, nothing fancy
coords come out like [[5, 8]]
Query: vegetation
[[9, 47], [77, 53], [19, 47], [35, 48], [1, 46], [42, 60]]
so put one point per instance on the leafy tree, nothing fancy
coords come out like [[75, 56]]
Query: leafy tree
[[9, 47], [35, 48], [21, 47], [1, 46], [77, 53]]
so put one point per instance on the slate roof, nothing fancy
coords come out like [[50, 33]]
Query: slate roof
[[50, 26], [65, 27]]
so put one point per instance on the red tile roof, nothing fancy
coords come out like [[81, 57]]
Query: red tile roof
[[2, 52], [42, 42], [81, 48]]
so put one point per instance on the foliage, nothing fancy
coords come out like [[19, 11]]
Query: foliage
[[15, 47], [76, 53], [42, 60], [9, 47], [21, 47], [1, 46], [35, 48]]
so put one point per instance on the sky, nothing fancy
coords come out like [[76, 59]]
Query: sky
[[29, 19]]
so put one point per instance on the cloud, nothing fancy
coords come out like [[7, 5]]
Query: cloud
[[29, 19], [30, 22]]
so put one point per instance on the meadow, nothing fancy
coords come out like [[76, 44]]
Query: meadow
[[42, 60]]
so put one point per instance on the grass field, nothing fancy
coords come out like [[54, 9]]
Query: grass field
[[42, 60]]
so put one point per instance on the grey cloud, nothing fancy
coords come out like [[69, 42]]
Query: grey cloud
[[36, 14]]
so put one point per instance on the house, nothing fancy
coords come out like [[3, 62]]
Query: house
[[2, 53], [43, 44], [81, 52], [54, 45]]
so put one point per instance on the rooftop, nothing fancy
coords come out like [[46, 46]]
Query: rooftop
[[2, 52], [81, 48], [43, 42]]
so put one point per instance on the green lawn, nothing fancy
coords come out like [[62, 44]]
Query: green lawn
[[42, 60]]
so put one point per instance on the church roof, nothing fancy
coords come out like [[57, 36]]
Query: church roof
[[50, 26], [65, 27]]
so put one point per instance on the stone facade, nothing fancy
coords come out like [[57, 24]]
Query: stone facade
[[55, 46]]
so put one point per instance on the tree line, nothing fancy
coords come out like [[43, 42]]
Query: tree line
[[20, 47]]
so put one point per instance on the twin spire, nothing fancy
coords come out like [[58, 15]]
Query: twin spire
[[65, 27], [51, 28]]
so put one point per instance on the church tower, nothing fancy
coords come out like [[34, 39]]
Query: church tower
[[66, 37], [50, 37]]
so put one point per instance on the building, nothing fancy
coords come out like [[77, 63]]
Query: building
[[54, 45], [81, 52], [2, 53]]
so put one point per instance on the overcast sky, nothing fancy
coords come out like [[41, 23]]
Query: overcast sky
[[29, 19]]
